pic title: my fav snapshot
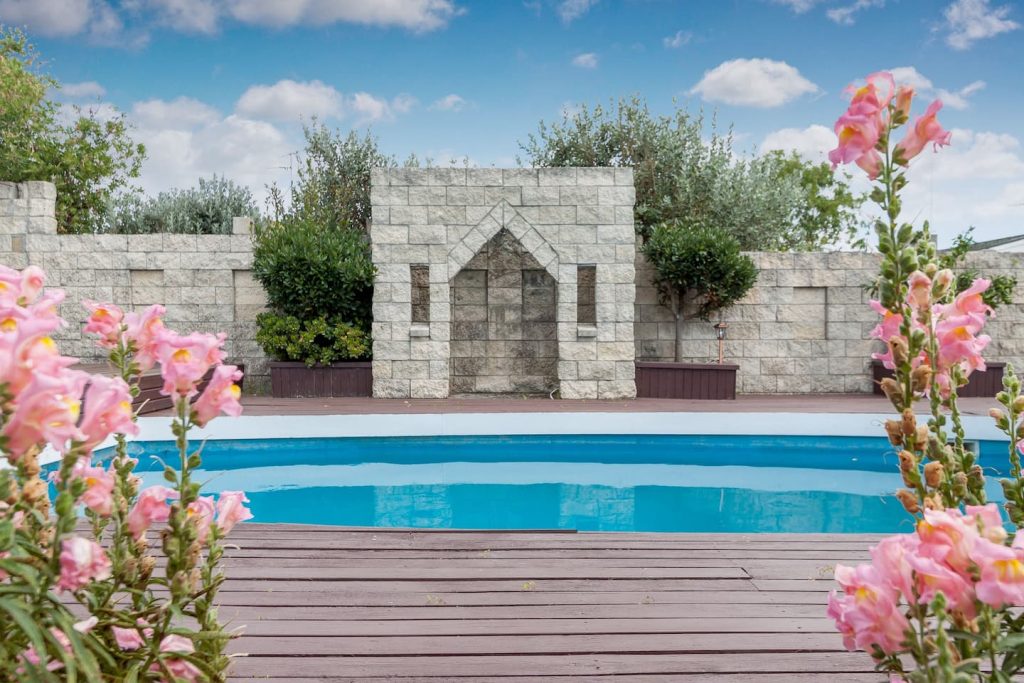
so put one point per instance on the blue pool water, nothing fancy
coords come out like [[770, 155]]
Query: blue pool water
[[592, 483]]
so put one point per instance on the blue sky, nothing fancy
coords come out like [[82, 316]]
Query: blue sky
[[218, 86]]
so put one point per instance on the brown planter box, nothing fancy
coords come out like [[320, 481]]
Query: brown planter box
[[298, 380], [985, 384], [707, 381]]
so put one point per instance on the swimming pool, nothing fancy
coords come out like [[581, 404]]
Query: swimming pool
[[803, 484]]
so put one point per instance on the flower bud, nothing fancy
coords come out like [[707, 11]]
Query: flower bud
[[996, 414], [893, 392], [909, 501], [931, 269], [909, 423], [1018, 405], [894, 428], [147, 565], [933, 474], [934, 502], [34, 490], [943, 280], [921, 378], [900, 351], [921, 437], [908, 462]]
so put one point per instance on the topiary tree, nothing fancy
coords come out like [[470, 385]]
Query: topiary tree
[[698, 268]]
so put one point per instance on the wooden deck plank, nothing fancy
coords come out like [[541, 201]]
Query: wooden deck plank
[[449, 667]]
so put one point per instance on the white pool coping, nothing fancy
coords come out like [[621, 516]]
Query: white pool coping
[[978, 427], [466, 424]]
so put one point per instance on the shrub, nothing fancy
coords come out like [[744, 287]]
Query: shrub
[[318, 341], [206, 209], [697, 266], [310, 271]]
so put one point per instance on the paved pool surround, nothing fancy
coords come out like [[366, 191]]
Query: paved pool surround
[[803, 328]]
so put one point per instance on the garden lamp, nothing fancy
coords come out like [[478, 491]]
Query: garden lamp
[[720, 333]]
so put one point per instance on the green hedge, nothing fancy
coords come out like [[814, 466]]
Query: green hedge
[[317, 341]]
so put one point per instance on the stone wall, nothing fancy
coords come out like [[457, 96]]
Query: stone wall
[[205, 281], [804, 326], [562, 218]]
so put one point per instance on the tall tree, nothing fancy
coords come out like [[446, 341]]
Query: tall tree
[[87, 156]]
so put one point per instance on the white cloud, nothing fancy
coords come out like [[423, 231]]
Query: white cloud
[[450, 102], [968, 21], [975, 181], [798, 6], [188, 16], [812, 143], [289, 100], [570, 10], [83, 90], [954, 99], [678, 39], [845, 15], [753, 83], [415, 15], [586, 60], [370, 109], [180, 113], [49, 17]]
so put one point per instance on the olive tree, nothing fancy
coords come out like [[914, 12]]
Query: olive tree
[[699, 271]]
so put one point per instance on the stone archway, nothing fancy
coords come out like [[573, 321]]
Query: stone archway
[[504, 331]]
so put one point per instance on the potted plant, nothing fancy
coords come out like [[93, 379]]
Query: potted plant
[[699, 271], [319, 285]]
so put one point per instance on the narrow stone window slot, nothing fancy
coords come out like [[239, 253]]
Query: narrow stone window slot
[[586, 300], [419, 277]]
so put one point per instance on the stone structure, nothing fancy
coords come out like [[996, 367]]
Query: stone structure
[[501, 251], [804, 326], [530, 237], [205, 281]]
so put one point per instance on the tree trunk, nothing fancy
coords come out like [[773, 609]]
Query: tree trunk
[[677, 311]]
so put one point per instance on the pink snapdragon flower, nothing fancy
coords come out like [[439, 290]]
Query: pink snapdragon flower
[[143, 331], [81, 561], [46, 410], [105, 320], [1002, 573], [891, 560], [924, 130], [107, 410], [181, 669], [151, 507], [231, 511], [30, 656], [868, 613], [132, 638], [184, 360], [947, 536], [99, 491], [920, 292], [858, 134], [201, 511], [220, 396], [934, 577]]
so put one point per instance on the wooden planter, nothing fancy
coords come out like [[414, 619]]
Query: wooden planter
[[707, 381], [986, 384], [297, 380], [150, 400]]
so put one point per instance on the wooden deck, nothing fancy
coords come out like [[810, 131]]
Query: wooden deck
[[336, 604], [805, 403]]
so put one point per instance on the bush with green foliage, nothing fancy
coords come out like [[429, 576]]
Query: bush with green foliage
[[309, 271], [206, 209], [768, 203], [89, 158], [317, 341], [1000, 291], [698, 268]]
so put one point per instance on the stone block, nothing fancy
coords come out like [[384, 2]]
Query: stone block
[[522, 177], [425, 195], [560, 215], [428, 234], [577, 389], [595, 176], [620, 195], [390, 388], [446, 176], [429, 388], [616, 389], [595, 214], [483, 176], [495, 195], [541, 195]]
